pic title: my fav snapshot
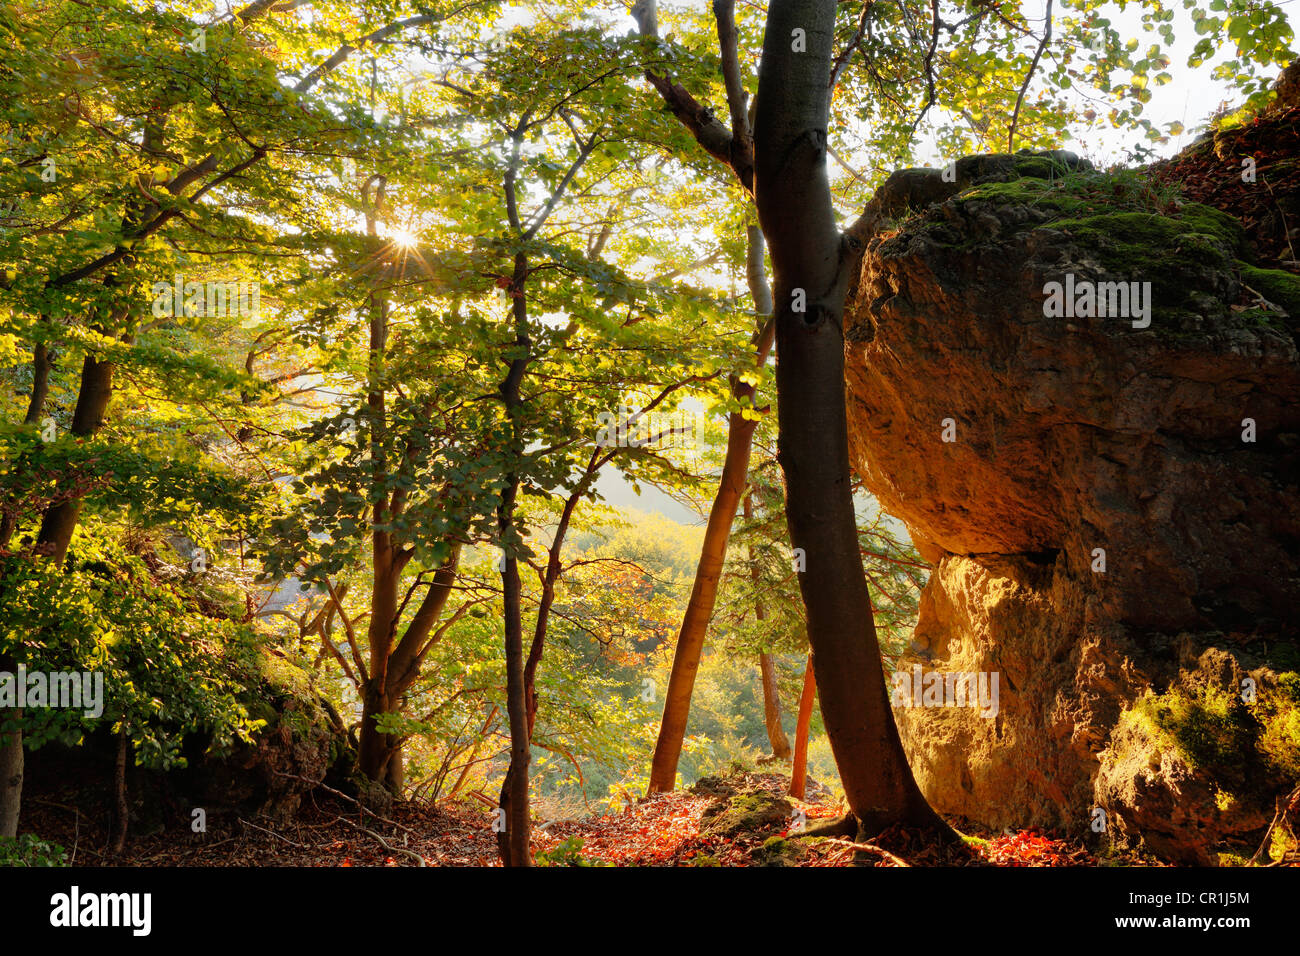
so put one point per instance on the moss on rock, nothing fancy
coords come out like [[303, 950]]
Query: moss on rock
[[1278, 287], [1279, 739], [746, 813], [1209, 727], [779, 851]]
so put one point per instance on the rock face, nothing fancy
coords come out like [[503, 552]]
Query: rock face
[[1110, 501]]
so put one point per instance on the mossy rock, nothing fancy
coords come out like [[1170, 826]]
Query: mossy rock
[[779, 851], [749, 813], [1279, 716], [1209, 727], [1225, 754], [1214, 730], [301, 743], [1277, 286], [1116, 226]]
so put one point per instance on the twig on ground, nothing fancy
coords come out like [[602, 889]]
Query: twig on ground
[[301, 846], [419, 860]]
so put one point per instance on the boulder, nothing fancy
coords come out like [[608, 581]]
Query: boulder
[[1111, 502]]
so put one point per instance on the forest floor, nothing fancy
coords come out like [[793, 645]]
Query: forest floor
[[741, 820]]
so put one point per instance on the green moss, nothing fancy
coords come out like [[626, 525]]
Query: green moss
[[1041, 167], [1137, 230], [1126, 241], [1209, 727], [1282, 657], [1280, 715], [1278, 287], [1045, 185], [778, 851], [746, 813], [284, 677], [1281, 843], [1262, 318], [1053, 197], [280, 693], [1207, 221], [1213, 730]]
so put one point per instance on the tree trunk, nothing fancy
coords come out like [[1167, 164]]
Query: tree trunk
[[704, 593], [515, 843], [41, 363], [60, 520], [550, 578], [373, 747], [396, 775], [772, 709], [123, 815], [690, 639], [11, 762], [812, 264], [799, 773], [771, 696]]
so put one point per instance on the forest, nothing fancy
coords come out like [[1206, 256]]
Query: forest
[[804, 433]]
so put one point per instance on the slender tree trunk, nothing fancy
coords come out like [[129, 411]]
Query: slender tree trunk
[[373, 747], [772, 709], [42, 360], [12, 756], [771, 695], [812, 264], [799, 772], [96, 389], [122, 811], [11, 762], [473, 754], [690, 639], [515, 843], [377, 751], [713, 553]]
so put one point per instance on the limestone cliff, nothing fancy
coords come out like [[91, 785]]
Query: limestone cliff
[[1111, 502]]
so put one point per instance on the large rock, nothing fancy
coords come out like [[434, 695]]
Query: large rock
[[1076, 436], [302, 744]]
